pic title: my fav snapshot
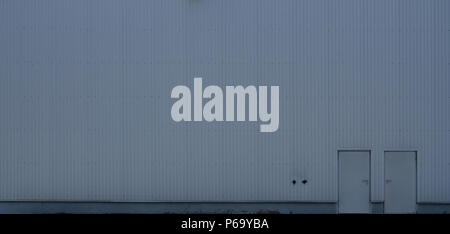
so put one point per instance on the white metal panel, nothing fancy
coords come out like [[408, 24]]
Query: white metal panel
[[85, 96], [400, 182], [354, 182]]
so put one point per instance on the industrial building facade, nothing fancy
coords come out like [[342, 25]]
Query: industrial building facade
[[364, 106]]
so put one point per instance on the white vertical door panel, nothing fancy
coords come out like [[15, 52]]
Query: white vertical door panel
[[354, 182], [400, 182]]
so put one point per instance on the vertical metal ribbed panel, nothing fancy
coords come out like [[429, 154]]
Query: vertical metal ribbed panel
[[85, 96]]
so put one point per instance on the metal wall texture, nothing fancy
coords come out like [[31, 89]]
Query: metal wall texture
[[85, 97]]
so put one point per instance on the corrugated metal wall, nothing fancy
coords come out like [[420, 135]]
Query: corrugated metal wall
[[85, 96]]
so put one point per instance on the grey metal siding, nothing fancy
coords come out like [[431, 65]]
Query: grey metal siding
[[85, 97]]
